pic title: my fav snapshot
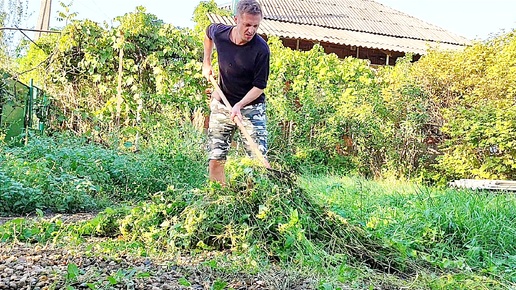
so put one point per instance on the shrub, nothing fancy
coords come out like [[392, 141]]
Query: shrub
[[69, 174], [473, 92]]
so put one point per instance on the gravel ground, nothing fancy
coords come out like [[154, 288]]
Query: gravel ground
[[35, 266], [66, 218]]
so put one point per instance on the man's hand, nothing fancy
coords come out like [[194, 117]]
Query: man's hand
[[236, 112], [208, 92], [207, 71]]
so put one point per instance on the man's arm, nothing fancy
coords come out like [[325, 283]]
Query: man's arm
[[207, 70], [252, 95]]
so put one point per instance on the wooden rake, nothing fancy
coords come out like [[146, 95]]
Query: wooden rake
[[254, 147]]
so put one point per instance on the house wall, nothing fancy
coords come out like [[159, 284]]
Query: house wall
[[375, 56]]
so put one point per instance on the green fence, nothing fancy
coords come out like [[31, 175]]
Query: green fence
[[23, 109]]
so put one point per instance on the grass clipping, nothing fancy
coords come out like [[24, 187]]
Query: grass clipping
[[258, 211]]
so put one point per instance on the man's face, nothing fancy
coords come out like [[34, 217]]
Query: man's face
[[246, 27]]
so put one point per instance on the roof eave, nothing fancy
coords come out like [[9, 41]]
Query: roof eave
[[361, 39]]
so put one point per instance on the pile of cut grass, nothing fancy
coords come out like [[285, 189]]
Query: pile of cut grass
[[258, 212]]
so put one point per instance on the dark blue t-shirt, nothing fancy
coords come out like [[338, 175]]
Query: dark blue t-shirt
[[241, 67]]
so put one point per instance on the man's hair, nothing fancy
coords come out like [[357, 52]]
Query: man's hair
[[251, 7]]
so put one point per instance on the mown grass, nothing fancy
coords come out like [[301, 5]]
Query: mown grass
[[341, 231]]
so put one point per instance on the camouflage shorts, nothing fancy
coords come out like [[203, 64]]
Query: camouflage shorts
[[221, 129]]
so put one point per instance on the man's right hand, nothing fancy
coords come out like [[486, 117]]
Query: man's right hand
[[207, 71]]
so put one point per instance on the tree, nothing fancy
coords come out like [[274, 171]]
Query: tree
[[200, 16], [12, 14], [100, 76]]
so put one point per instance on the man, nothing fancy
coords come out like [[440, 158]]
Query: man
[[243, 58]]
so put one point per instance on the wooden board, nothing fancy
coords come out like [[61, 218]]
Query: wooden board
[[504, 185]]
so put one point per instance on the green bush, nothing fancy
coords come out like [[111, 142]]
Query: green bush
[[329, 114], [17, 198], [473, 95], [69, 174]]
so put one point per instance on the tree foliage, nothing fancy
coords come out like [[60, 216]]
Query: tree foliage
[[308, 93], [342, 114], [474, 95], [12, 13], [450, 115], [201, 18], [159, 71]]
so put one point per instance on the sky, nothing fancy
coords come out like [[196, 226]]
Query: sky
[[473, 19]]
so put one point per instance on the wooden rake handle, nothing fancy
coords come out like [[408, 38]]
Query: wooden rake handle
[[254, 147]]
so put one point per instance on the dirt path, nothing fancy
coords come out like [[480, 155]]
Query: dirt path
[[35, 266]]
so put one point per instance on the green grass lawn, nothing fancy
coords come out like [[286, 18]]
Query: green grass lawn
[[462, 234]]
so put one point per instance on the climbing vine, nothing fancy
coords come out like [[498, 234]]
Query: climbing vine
[[141, 67]]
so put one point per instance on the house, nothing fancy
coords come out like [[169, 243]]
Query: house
[[363, 29]]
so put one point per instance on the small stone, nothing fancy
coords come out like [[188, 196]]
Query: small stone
[[22, 283], [37, 269]]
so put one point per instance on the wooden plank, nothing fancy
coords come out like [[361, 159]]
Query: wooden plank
[[502, 185]]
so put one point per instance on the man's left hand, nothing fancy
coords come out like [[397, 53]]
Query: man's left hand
[[236, 112]]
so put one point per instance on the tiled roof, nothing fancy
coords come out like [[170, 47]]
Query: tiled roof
[[363, 23]]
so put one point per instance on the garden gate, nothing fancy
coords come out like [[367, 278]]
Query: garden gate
[[23, 109]]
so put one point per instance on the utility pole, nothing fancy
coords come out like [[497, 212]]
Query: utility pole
[[44, 17], [234, 6]]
